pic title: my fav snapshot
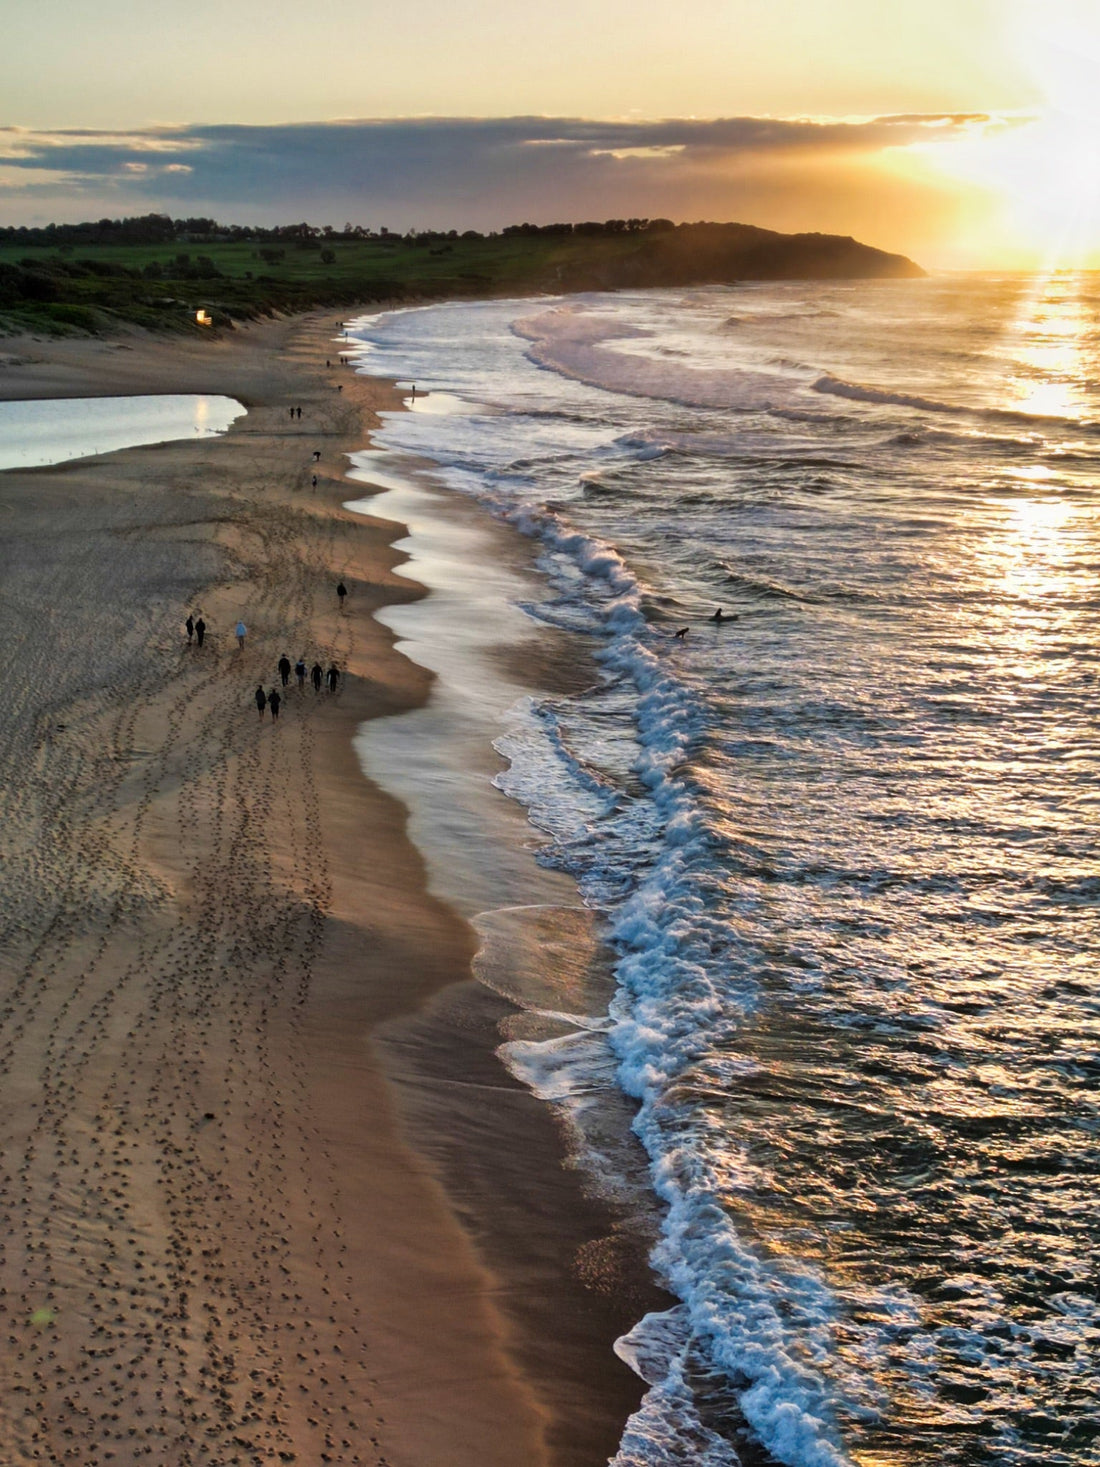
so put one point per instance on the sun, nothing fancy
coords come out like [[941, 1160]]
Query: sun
[[1045, 174], [1036, 175]]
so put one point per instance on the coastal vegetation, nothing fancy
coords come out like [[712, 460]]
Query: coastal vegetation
[[158, 272]]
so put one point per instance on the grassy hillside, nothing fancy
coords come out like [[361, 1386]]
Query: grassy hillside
[[63, 280]]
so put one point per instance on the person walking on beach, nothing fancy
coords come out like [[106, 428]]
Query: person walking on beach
[[284, 669], [300, 672], [316, 675], [242, 632], [314, 481], [332, 677], [261, 700], [316, 455], [189, 626], [273, 701], [200, 630], [341, 591]]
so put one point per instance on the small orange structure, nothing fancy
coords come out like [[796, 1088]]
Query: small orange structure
[[204, 318]]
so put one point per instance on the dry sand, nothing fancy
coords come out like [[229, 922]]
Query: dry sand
[[220, 1244]]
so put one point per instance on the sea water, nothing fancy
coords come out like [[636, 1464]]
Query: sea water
[[54, 430], [843, 842]]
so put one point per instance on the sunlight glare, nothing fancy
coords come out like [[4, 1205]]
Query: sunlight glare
[[1039, 173]]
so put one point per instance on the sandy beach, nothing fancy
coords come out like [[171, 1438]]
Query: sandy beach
[[222, 1242]]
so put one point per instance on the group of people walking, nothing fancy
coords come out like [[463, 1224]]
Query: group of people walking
[[273, 699], [316, 674]]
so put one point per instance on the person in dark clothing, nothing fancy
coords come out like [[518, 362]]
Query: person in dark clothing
[[273, 701], [261, 701], [189, 624], [292, 412], [299, 412], [200, 630], [314, 485], [300, 672], [284, 669], [332, 677], [341, 591], [317, 674]]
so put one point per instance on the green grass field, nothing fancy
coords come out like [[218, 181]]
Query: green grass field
[[162, 286]]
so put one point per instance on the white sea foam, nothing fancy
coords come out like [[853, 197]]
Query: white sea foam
[[666, 1015], [587, 347]]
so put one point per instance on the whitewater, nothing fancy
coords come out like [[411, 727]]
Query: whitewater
[[842, 842]]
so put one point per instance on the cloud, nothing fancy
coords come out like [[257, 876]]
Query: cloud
[[435, 172]]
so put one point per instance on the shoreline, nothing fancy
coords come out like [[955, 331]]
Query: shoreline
[[225, 914]]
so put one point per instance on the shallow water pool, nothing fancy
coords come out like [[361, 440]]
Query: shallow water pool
[[52, 431]]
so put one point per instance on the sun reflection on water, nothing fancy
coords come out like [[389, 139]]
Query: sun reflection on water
[[1051, 376], [1031, 554]]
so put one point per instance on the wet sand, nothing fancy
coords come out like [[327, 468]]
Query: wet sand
[[222, 1241]]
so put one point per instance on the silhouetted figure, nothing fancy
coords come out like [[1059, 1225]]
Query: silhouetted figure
[[200, 631], [341, 591], [314, 483], [332, 677], [682, 633], [327, 362], [316, 675], [284, 669], [316, 455], [241, 631], [189, 624], [299, 413], [720, 616], [274, 699], [261, 701], [300, 672], [292, 412]]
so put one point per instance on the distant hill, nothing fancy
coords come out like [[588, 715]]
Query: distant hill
[[158, 272], [720, 254]]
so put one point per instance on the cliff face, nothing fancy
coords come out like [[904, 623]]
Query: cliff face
[[719, 254]]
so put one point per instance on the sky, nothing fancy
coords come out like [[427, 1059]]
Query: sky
[[961, 132]]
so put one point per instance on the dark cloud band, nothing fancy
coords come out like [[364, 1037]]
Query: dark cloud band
[[429, 171]]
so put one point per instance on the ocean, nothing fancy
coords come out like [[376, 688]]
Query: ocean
[[841, 844]]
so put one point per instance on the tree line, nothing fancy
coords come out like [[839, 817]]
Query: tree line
[[160, 229]]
